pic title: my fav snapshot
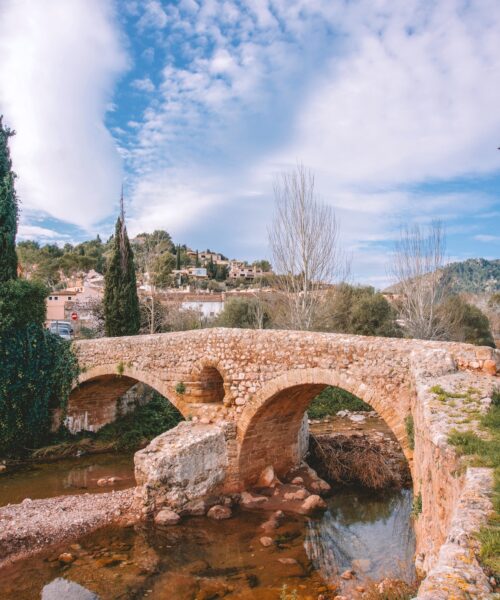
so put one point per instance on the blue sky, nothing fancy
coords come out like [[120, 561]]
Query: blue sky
[[197, 106]]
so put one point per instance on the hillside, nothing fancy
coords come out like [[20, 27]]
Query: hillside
[[474, 276]]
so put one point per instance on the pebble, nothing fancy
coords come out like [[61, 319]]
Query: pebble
[[266, 541]]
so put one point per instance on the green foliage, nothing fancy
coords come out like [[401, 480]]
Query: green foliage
[[37, 371], [475, 275], [410, 431], [333, 399], [180, 388], [21, 303], [121, 303], [241, 313], [46, 263], [8, 209], [265, 265], [467, 323], [417, 505], [495, 397], [485, 451], [146, 422], [358, 310], [161, 273]]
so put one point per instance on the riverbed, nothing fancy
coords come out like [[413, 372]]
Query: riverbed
[[200, 558]]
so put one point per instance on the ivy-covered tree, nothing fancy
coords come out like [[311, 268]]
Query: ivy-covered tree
[[8, 209], [37, 368], [121, 303]]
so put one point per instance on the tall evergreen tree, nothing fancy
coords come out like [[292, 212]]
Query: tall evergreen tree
[[121, 303], [178, 258], [8, 209]]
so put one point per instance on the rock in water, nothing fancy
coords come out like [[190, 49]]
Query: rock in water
[[62, 589], [167, 517], [268, 478], [219, 512], [312, 504]]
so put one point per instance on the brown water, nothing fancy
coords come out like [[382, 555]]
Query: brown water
[[67, 476], [203, 559]]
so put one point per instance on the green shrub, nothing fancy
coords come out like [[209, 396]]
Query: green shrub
[[417, 505], [180, 388], [333, 399], [144, 424], [22, 302], [37, 372], [410, 431]]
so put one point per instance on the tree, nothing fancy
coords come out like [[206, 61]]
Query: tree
[[305, 246], [359, 310], [8, 209], [466, 322], [244, 313], [121, 303], [421, 286], [178, 258]]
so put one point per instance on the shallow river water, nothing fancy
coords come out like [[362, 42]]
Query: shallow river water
[[202, 559], [67, 476]]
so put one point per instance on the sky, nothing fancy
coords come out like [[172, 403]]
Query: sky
[[196, 106]]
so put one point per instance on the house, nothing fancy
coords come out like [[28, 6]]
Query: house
[[57, 304], [240, 270]]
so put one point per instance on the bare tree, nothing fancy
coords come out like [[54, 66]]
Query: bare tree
[[304, 240], [419, 259]]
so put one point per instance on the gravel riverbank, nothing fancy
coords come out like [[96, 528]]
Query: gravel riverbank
[[35, 524]]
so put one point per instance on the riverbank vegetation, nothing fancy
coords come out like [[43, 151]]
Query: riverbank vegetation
[[332, 400], [128, 432]]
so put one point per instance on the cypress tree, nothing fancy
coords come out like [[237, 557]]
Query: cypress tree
[[8, 209], [178, 258], [121, 303]]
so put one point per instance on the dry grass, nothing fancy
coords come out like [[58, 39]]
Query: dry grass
[[350, 459], [390, 589]]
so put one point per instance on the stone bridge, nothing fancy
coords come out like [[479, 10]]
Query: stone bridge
[[257, 384]]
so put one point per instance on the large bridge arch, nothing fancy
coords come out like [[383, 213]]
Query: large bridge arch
[[269, 426]]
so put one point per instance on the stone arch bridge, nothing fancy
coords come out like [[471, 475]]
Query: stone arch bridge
[[254, 386], [263, 380]]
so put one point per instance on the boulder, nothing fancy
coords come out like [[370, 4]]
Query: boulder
[[219, 512], [167, 517], [300, 494], [268, 478], [312, 504], [248, 500], [266, 541]]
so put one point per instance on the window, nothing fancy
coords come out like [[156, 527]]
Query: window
[[50, 297], [69, 297]]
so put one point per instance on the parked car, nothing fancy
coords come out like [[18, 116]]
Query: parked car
[[62, 329]]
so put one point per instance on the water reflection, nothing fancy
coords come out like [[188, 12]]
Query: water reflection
[[61, 589], [373, 535], [202, 558], [68, 476]]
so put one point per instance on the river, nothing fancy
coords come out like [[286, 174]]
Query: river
[[200, 558]]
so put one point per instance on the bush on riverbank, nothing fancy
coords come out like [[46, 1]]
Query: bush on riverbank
[[129, 432], [333, 399]]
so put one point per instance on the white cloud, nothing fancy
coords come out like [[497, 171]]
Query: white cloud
[[143, 85], [58, 64], [29, 232], [487, 238], [154, 16]]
